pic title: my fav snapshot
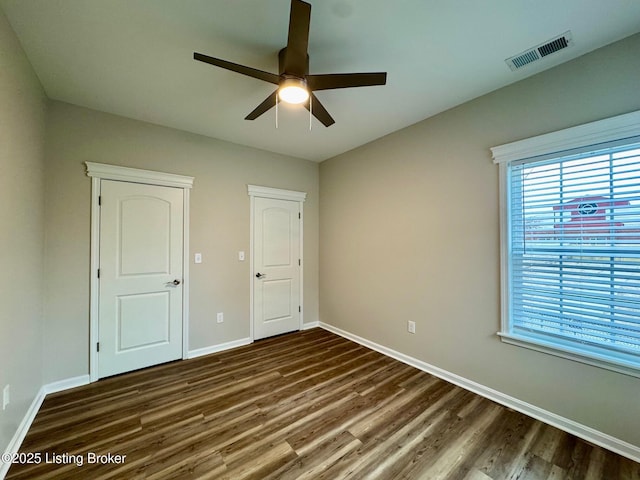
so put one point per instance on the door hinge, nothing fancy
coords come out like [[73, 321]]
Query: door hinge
[[299, 262], [98, 347], [299, 215], [99, 200], [98, 273], [299, 309]]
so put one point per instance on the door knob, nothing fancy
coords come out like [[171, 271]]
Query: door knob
[[260, 275], [176, 282]]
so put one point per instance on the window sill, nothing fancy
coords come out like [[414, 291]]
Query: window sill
[[594, 359]]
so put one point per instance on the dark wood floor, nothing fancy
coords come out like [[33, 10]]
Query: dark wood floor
[[308, 405]]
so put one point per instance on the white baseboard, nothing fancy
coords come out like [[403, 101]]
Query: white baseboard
[[586, 433], [199, 352], [67, 384], [27, 420], [23, 428]]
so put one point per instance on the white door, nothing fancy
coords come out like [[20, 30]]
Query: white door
[[276, 266], [141, 254]]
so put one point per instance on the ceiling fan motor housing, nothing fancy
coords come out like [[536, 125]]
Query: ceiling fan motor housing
[[293, 67], [281, 66]]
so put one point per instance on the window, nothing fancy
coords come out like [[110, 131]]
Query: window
[[571, 244]]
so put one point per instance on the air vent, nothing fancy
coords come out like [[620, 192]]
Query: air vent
[[536, 53]]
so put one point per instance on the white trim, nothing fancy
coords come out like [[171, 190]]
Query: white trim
[[301, 253], [586, 433], [505, 242], [251, 267], [199, 352], [23, 428], [185, 273], [310, 325], [94, 284], [267, 192], [67, 384], [136, 175], [556, 349], [30, 415], [619, 129], [99, 172], [607, 130]]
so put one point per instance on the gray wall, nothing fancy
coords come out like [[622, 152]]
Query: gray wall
[[219, 224], [22, 117], [409, 230]]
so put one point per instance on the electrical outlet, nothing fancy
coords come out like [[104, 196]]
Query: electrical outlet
[[5, 396], [220, 317], [411, 327]]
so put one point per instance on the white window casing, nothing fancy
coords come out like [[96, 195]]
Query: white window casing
[[570, 243]]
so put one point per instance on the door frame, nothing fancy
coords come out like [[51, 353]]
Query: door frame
[[267, 192], [102, 171]]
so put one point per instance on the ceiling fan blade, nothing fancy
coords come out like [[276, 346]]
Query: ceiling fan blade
[[318, 111], [295, 58], [234, 67], [265, 106], [345, 80]]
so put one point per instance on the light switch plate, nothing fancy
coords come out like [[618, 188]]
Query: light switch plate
[[241, 256], [197, 258]]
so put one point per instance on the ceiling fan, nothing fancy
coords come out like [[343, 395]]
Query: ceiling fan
[[295, 85]]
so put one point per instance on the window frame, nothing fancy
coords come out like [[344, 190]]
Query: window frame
[[575, 139]]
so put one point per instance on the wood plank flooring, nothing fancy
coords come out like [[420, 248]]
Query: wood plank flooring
[[309, 405]]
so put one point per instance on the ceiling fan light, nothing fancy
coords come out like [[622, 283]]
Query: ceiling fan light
[[293, 90]]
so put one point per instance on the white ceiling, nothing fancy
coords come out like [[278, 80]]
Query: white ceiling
[[135, 58]]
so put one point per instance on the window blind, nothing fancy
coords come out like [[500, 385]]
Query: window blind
[[574, 250]]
